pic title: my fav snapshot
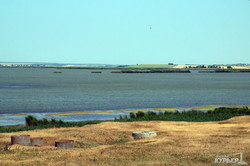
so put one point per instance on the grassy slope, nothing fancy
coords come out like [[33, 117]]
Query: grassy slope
[[110, 143]]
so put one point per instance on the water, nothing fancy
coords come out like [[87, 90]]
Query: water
[[24, 90]]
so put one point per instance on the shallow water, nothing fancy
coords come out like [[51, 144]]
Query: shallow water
[[25, 90]]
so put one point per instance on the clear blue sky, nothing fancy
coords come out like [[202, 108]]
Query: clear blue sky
[[125, 31]]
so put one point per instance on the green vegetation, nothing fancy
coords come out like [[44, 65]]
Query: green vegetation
[[218, 114], [96, 72], [151, 66], [32, 123], [227, 71], [152, 71]]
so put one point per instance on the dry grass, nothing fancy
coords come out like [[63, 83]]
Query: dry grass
[[110, 143]]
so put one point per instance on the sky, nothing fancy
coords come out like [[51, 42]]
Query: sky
[[125, 31]]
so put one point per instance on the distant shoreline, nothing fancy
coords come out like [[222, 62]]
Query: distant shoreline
[[111, 66]]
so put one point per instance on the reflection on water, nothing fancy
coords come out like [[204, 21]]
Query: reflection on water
[[5, 86]]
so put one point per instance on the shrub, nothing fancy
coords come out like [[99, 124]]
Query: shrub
[[31, 121], [140, 114], [218, 114], [132, 115], [150, 113]]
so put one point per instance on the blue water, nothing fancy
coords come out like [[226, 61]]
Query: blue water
[[31, 90]]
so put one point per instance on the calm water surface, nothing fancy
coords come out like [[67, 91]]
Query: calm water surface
[[40, 90]]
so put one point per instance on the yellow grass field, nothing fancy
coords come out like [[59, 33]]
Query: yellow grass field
[[111, 143]]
